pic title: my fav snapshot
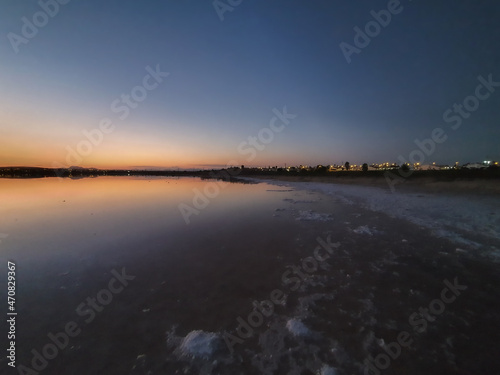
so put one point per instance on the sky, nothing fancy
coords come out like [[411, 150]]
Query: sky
[[205, 84]]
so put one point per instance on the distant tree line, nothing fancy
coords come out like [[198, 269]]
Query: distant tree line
[[234, 172]]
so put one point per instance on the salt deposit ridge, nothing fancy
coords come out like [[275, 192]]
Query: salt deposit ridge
[[472, 221]]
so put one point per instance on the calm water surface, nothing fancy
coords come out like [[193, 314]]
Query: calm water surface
[[63, 217]]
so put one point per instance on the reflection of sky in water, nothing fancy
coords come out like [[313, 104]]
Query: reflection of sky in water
[[53, 216]]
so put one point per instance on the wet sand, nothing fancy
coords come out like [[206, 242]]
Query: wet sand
[[424, 184]]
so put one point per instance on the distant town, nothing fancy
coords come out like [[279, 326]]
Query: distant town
[[346, 169]]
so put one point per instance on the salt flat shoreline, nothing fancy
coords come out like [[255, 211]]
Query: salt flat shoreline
[[459, 211], [425, 184]]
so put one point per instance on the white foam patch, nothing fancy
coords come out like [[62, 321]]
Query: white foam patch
[[345, 200], [363, 230], [199, 344], [313, 216], [297, 328]]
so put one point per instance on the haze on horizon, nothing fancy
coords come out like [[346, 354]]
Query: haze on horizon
[[220, 76]]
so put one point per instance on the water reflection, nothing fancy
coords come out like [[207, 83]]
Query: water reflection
[[60, 216]]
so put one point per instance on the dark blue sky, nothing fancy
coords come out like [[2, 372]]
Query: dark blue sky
[[226, 77]]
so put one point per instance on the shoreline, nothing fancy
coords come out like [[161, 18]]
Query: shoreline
[[425, 184], [460, 212]]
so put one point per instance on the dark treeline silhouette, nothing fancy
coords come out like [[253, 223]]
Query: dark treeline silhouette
[[231, 174], [34, 172]]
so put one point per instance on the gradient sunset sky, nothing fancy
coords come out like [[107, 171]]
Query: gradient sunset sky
[[226, 77]]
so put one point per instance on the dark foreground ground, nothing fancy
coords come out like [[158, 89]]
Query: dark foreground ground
[[337, 314]]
